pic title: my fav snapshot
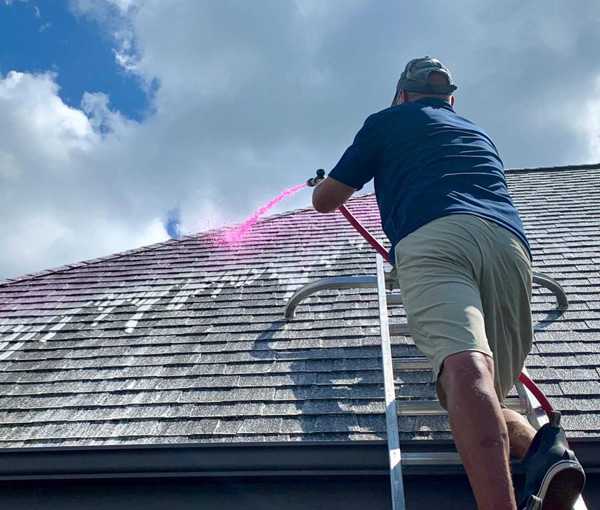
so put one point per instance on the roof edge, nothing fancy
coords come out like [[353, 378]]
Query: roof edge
[[83, 263], [564, 168], [314, 458], [324, 458], [114, 256]]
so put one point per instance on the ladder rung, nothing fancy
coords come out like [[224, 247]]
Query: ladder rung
[[416, 364], [433, 407], [399, 329], [394, 299], [431, 458]]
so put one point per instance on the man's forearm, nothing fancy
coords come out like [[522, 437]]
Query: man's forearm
[[329, 194]]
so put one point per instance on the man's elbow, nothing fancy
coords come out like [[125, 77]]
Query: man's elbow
[[322, 206]]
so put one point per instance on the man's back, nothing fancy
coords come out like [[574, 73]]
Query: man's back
[[428, 162]]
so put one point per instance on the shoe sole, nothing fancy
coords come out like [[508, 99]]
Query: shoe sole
[[562, 485]]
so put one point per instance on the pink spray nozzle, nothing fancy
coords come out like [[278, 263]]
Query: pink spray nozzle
[[313, 181]]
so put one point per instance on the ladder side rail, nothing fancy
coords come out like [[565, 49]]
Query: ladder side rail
[[350, 282], [553, 286], [391, 411], [333, 283]]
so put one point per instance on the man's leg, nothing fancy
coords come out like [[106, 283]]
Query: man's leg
[[479, 428], [520, 433]]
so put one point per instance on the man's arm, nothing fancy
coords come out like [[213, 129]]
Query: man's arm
[[330, 194], [356, 167]]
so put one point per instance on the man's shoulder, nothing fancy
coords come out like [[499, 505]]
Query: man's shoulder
[[390, 111], [386, 115], [397, 111]]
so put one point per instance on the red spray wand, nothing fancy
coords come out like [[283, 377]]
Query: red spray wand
[[379, 248], [524, 379]]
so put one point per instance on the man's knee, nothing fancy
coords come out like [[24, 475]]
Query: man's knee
[[465, 368], [467, 372]]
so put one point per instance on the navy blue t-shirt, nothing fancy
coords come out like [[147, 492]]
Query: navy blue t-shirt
[[428, 162]]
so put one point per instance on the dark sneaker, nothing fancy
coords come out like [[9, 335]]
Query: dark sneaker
[[552, 472]]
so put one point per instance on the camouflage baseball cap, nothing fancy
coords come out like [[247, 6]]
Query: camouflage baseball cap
[[415, 77]]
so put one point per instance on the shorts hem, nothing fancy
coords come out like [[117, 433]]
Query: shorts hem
[[438, 366]]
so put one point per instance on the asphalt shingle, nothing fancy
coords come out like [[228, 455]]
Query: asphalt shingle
[[185, 340]]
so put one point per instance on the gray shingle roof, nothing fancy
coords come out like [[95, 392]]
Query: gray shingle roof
[[185, 341]]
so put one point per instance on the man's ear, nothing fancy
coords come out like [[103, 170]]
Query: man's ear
[[451, 100]]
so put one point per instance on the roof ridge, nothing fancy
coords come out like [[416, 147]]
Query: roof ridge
[[211, 232], [83, 263], [146, 248], [587, 166], [112, 256]]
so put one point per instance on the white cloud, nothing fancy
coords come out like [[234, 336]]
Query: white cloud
[[36, 234], [9, 166], [53, 213], [99, 115], [589, 124], [35, 112], [254, 96]]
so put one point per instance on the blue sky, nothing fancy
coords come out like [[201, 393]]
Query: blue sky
[[126, 121], [45, 35]]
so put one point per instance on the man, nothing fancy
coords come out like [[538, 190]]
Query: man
[[464, 268]]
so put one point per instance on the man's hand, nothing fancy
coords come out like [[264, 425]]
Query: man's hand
[[330, 194]]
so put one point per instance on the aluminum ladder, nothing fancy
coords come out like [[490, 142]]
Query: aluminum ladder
[[385, 283]]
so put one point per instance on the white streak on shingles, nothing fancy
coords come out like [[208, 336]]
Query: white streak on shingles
[[238, 278], [218, 288], [17, 330], [32, 330], [44, 326], [59, 325], [54, 329], [144, 303], [183, 294], [16, 347], [104, 310], [6, 354], [132, 323], [357, 242], [291, 288], [291, 284]]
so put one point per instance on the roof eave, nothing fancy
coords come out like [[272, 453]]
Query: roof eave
[[319, 458]]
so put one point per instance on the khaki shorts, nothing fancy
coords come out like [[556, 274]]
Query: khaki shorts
[[466, 286]]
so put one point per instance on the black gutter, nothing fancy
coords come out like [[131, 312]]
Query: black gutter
[[364, 458]]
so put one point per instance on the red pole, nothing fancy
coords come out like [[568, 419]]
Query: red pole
[[526, 381], [537, 393], [364, 232]]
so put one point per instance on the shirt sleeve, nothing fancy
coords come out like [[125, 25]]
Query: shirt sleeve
[[358, 164]]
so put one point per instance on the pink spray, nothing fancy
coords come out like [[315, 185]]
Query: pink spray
[[235, 237]]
